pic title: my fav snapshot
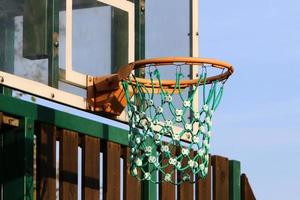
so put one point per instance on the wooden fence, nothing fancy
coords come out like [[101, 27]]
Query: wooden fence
[[32, 173]]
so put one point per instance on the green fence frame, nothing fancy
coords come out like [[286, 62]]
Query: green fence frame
[[16, 156]]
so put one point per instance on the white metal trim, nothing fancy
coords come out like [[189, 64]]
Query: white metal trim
[[131, 33], [77, 78], [194, 44], [71, 76], [42, 90], [121, 4], [194, 28], [69, 30]]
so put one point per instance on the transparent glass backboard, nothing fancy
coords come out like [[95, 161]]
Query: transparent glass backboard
[[99, 38], [94, 38], [167, 27], [23, 50], [98, 33]]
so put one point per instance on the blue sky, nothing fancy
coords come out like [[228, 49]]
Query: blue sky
[[258, 121]]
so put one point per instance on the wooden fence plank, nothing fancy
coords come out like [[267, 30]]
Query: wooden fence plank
[[132, 186], [234, 180], [246, 190], [68, 156], [90, 167], [167, 190], [220, 178], [203, 187], [46, 162], [186, 189], [111, 171]]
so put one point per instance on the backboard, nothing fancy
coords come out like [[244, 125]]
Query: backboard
[[51, 49]]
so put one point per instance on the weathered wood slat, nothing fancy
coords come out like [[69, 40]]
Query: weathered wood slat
[[203, 187], [90, 167], [132, 187], [68, 156], [167, 190], [111, 171], [246, 190], [46, 162], [220, 178], [186, 189]]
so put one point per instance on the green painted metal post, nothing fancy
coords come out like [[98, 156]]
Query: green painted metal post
[[2, 42], [28, 157], [53, 42], [234, 180], [139, 29], [149, 190], [1, 156], [140, 33], [18, 161], [7, 42]]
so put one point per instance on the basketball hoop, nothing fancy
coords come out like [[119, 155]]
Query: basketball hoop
[[162, 119]]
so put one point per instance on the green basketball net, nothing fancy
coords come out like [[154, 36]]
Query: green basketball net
[[167, 134]]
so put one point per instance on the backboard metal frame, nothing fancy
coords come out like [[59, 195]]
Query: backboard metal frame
[[42, 90], [79, 79]]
